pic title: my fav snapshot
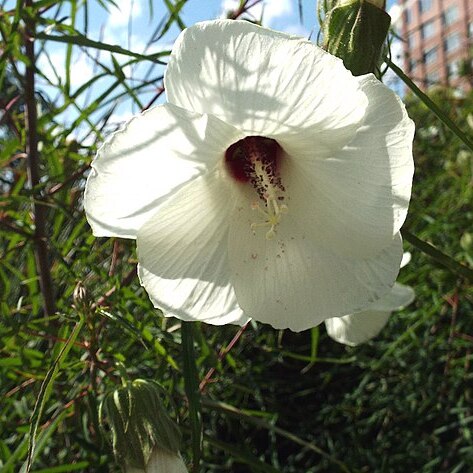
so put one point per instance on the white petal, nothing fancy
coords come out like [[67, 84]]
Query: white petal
[[357, 328], [182, 251], [162, 461], [294, 281], [406, 258], [141, 165], [358, 196], [261, 81], [399, 297]]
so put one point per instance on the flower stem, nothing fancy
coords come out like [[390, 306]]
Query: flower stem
[[221, 356], [39, 210], [430, 104], [191, 386]]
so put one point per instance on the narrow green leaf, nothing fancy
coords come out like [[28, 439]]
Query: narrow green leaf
[[42, 439], [67, 67], [19, 452], [64, 468], [244, 456], [121, 76], [9, 362], [45, 391], [81, 40], [173, 16], [314, 345], [42, 4], [445, 260], [127, 326], [233, 411], [118, 70], [300, 11], [332, 361]]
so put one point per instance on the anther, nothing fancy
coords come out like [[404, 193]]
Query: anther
[[255, 160]]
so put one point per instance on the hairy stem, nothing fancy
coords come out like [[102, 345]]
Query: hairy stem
[[39, 210]]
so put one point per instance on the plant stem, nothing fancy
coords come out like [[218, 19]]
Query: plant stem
[[191, 385], [430, 104], [39, 210], [221, 356]]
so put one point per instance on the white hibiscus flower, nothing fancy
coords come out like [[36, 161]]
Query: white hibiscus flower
[[272, 185], [358, 328], [162, 461]]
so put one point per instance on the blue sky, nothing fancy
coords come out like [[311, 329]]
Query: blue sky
[[131, 26]]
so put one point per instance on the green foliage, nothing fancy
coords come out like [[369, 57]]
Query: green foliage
[[270, 401]]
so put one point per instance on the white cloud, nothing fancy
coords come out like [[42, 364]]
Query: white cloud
[[390, 78], [396, 52], [135, 44], [268, 9], [395, 13], [119, 16], [82, 68], [52, 64], [139, 46], [119, 118], [296, 29]]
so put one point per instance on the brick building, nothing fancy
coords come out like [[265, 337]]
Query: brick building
[[438, 36]]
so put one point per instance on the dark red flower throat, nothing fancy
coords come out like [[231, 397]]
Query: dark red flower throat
[[256, 160]]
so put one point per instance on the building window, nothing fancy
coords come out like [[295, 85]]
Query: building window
[[412, 65], [427, 30], [430, 56], [407, 16], [452, 42], [470, 29], [450, 15], [432, 78], [425, 5], [452, 70], [411, 41]]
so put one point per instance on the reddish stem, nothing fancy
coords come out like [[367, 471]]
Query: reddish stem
[[39, 210], [223, 352]]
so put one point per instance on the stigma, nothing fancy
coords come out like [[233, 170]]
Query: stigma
[[255, 160]]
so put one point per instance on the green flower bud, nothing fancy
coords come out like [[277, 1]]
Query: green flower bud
[[162, 461], [80, 298], [466, 242], [139, 423], [355, 31], [377, 3]]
